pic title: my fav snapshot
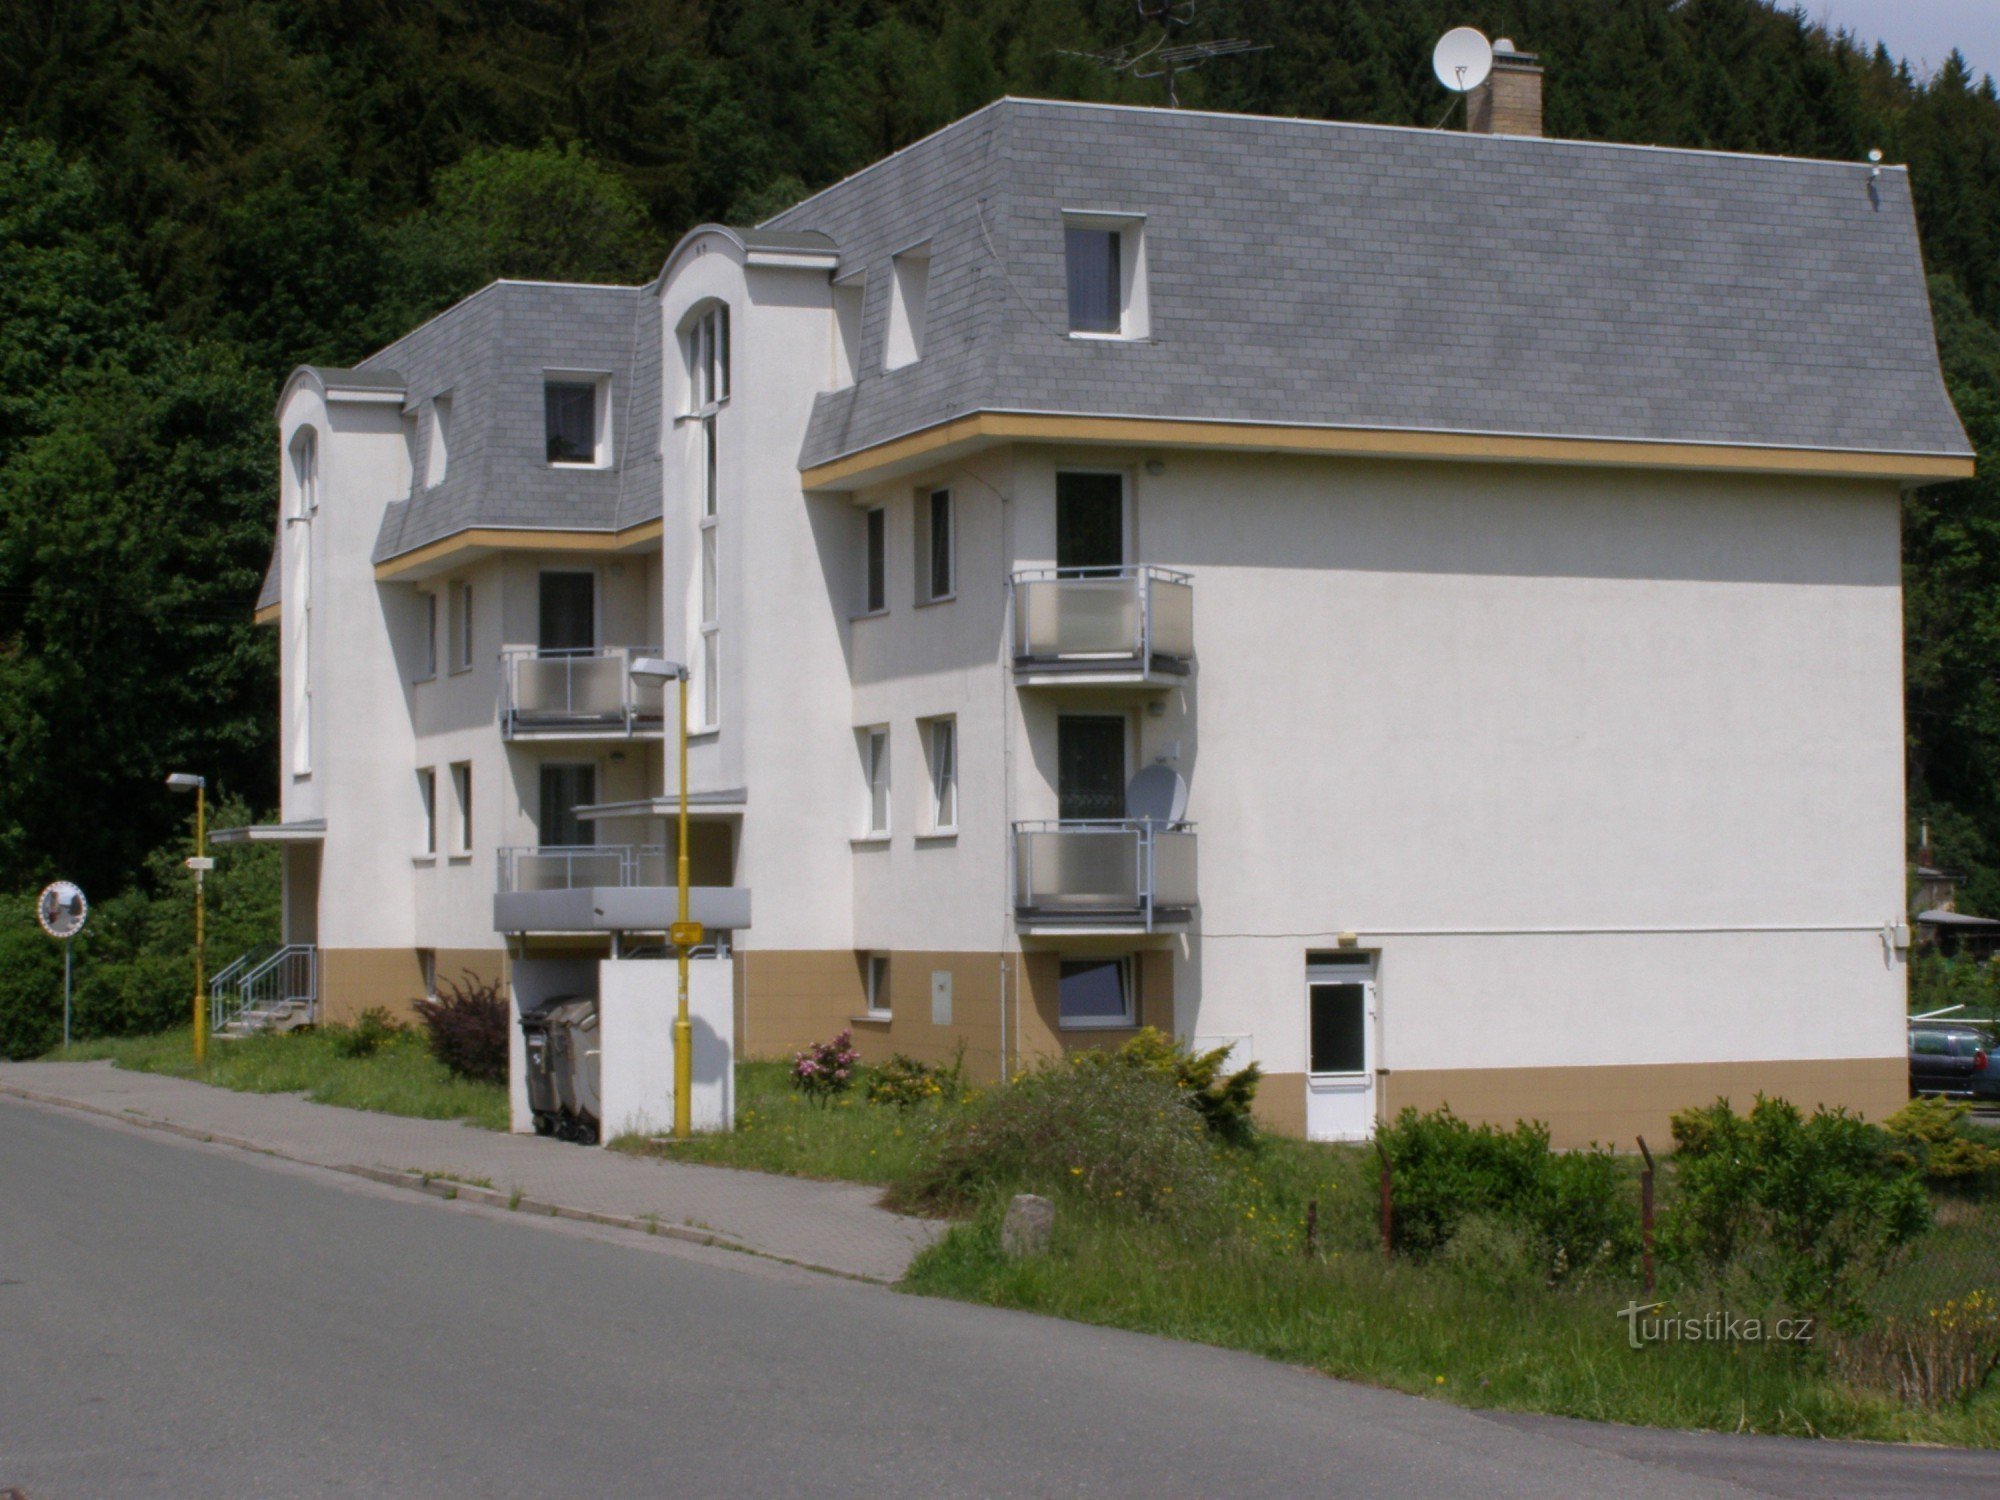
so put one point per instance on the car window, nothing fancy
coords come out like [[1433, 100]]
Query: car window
[[1928, 1043]]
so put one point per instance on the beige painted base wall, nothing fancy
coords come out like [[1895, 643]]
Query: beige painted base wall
[[351, 980], [1611, 1105], [790, 998]]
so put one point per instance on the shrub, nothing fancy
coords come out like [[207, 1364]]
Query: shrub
[[825, 1068], [1946, 1355], [1573, 1206], [1123, 1138], [1931, 1135], [375, 1030], [1222, 1100], [466, 1028], [904, 1083], [1815, 1210]]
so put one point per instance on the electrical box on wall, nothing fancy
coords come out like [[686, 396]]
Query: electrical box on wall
[[940, 997]]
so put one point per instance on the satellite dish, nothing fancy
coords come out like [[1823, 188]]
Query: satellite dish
[[1462, 59], [1157, 794], [61, 910]]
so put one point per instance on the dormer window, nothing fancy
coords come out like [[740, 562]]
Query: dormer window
[[909, 297], [1104, 256], [577, 414], [439, 457], [707, 340]]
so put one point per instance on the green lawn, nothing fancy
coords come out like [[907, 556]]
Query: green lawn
[[779, 1130], [399, 1079], [1464, 1331]]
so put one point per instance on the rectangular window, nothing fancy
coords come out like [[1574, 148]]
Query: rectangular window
[[427, 798], [708, 466], [461, 792], [563, 790], [1090, 767], [567, 609], [875, 561], [711, 686], [1104, 259], [909, 296], [439, 458], [937, 560], [1090, 521], [1339, 1042], [711, 630], [707, 341], [571, 409], [875, 767], [427, 969], [942, 746], [430, 635], [878, 984], [1092, 255], [1095, 992], [461, 626]]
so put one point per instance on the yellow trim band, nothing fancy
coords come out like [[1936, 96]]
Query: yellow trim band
[[268, 615], [509, 539], [1351, 442]]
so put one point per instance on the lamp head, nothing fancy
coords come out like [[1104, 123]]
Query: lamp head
[[655, 671], [182, 781]]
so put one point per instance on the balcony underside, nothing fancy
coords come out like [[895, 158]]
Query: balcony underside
[[1082, 671], [1084, 920]]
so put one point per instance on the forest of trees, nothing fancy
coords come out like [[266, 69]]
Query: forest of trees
[[195, 195]]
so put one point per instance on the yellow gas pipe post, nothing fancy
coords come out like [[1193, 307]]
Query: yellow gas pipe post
[[200, 884]]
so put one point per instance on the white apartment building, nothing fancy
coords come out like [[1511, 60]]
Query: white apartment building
[[1420, 608]]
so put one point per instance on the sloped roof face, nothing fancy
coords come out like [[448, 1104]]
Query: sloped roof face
[[490, 353], [1303, 272]]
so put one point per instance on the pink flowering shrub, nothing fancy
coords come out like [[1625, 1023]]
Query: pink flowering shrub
[[825, 1068]]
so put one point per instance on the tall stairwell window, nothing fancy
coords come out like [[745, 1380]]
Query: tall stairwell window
[[299, 593], [705, 347]]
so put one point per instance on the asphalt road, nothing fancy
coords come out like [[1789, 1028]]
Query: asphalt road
[[179, 1320]]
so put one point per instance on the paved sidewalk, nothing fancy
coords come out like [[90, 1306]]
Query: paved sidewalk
[[829, 1226]]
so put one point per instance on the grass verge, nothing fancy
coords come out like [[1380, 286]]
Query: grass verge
[[399, 1078], [1425, 1329], [779, 1130]]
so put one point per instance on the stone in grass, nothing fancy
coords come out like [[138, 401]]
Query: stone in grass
[[1025, 1230]]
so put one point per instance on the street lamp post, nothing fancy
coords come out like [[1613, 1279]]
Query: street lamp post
[[200, 863], [651, 671]]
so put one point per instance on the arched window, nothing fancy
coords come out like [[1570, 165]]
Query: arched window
[[705, 343], [305, 474]]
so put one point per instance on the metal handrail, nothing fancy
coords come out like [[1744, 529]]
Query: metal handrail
[[620, 708], [288, 976], [228, 977], [627, 863], [1144, 832], [1142, 579]]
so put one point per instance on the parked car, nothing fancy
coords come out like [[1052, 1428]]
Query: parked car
[[1953, 1060]]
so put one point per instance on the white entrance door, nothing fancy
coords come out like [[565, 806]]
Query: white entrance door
[[1340, 1050]]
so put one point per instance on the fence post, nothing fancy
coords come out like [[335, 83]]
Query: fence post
[[1388, 1206], [1646, 1217], [1312, 1228]]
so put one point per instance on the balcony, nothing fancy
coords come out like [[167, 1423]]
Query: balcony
[[603, 888], [1095, 626], [1121, 875], [580, 694]]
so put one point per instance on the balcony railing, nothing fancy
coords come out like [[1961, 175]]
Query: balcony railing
[[587, 691], [1096, 620], [575, 867], [1128, 872]]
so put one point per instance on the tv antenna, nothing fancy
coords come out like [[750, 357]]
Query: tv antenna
[[1156, 59]]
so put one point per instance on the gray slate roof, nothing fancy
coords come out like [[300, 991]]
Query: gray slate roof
[[1350, 275], [489, 352]]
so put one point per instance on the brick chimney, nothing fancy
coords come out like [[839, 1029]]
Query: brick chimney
[[1510, 101]]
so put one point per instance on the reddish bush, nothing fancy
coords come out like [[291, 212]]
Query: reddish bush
[[466, 1025]]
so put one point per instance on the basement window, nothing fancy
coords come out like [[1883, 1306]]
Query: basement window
[[1094, 992]]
